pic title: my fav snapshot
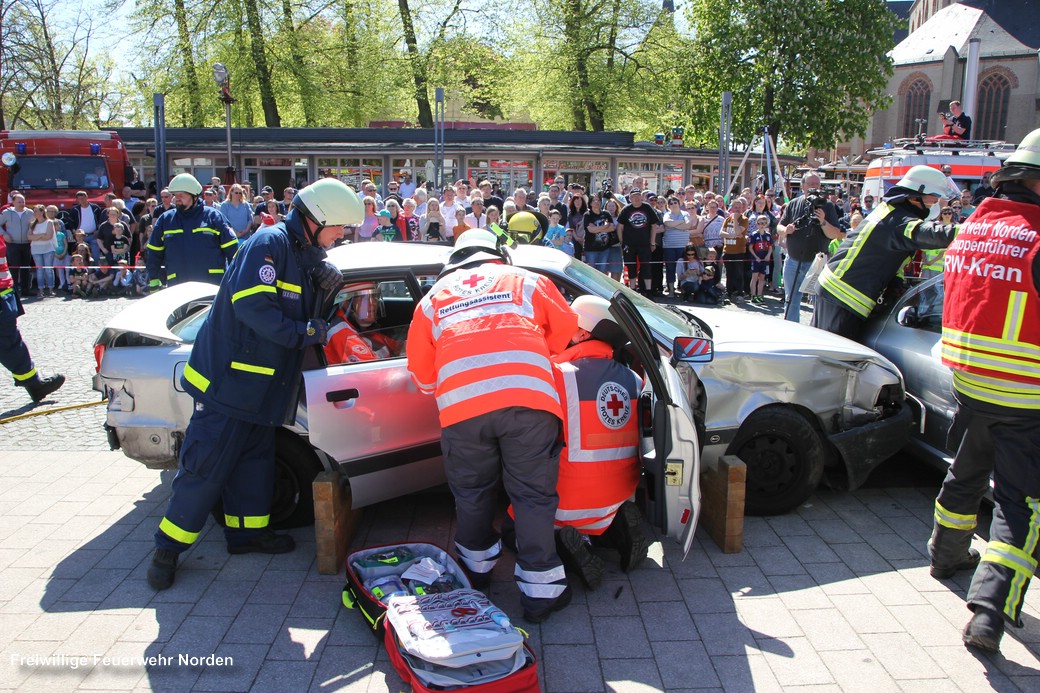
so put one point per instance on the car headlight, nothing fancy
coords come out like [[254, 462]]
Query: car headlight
[[873, 392]]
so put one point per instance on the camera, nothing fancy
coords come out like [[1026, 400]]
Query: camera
[[945, 115], [816, 198]]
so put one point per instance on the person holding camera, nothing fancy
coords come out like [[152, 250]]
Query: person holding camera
[[807, 224], [956, 123], [871, 255]]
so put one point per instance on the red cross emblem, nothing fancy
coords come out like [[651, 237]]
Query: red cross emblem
[[473, 280], [615, 404]]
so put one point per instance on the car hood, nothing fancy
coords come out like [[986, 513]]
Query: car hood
[[150, 316], [736, 332]]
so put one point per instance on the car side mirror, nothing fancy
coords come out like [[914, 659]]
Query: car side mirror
[[907, 316], [692, 350]]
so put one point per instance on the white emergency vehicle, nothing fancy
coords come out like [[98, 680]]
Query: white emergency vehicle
[[968, 162]]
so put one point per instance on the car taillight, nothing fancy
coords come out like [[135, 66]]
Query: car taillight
[[99, 353]]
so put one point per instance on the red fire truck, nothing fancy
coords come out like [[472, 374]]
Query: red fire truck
[[49, 167]]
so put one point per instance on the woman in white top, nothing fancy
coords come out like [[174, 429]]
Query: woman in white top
[[433, 225], [41, 245]]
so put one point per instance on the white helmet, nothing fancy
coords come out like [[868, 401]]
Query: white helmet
[[591, 311], [330, 202], [475, 245], [925, 180], [185, 183], [1023, 164]]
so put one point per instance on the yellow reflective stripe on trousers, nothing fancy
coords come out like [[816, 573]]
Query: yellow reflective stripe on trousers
[[1020, 580], [216, 271], [25, 376], [1013, 319], [258, 289], [250, 368], [247, 521], [6, 291], [171, 275], [176, 533], [954, 520], [195, 378]]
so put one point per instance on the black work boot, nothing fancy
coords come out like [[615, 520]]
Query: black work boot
[[969, 561], [266, 542], [162, 569], [544, 608], [627, 536], [984, 630], [950, 551], [577, 558], [38, 388]]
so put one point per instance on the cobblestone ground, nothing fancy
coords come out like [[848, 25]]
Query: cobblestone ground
[[60, 334]]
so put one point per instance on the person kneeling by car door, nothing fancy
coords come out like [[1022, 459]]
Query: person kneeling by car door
[[242, 374], [481, 341], [599, 464]]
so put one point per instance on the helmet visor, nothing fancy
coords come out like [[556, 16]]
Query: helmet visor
[[366, 307]]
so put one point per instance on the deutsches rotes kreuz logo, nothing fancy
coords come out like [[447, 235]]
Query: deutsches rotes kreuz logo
[[613, 405], [472, 283], [267, 274]]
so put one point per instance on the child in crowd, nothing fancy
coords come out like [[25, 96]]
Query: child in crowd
[[120, 245], [558, 236], [760, 245], [708, 292], [78, 281], [123, 281], [385, 231], [460, 222], [689, 270], [99, 281]]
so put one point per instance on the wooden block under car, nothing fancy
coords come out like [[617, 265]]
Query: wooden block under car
[[722, 503], [335, 520]]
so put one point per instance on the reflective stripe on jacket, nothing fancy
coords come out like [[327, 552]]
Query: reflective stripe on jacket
[[247, 358], [872, 253], [482, 338], [347, 345], [6, 280], [599, 465], [991, 312], [195, 245]]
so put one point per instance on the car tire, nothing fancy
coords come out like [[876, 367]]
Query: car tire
[[784, 455], [295, 466]]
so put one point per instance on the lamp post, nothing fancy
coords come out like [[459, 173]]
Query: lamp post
[[223, 80]]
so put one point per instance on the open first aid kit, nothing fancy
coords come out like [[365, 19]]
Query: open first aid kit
[[440, 633], [377, 573]]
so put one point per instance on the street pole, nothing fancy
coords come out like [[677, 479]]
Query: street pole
[[223, 80]]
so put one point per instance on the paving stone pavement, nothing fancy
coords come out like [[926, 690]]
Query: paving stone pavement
[[833, 597]]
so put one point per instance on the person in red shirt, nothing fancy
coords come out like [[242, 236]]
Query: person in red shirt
[[14, 355], [481, 340], [353, 335]]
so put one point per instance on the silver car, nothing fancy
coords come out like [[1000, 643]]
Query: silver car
[[796, 404], [909, 334]]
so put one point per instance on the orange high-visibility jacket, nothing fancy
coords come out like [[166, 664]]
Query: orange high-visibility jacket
[[482, 339]]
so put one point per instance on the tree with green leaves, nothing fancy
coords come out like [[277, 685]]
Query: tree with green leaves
[[814, 71]]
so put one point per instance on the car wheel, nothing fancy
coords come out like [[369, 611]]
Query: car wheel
[[295, 466], [784, 455]]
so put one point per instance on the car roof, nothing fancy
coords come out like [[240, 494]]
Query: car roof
[[378, 255]]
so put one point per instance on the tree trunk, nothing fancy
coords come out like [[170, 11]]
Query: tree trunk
[[352, 48], [422, 98], [195, 116], [572, 42], [298, 69], [263, 73]]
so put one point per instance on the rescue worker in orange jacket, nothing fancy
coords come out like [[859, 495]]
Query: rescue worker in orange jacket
[[481, 341], [991, 340], [353, 335], [599, 465]]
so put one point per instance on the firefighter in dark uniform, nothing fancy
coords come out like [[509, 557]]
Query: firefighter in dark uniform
[[991, 340], [481, 341], [14, 355], [193, 242], [870, 256], [243, 374]]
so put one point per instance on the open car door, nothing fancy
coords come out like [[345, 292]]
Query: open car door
[[670, 449]]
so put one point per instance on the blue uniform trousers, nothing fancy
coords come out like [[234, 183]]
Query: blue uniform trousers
[[227, 458], [1001, 580], [14, 355]]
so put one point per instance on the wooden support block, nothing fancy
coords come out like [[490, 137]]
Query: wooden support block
[[722, 503], [335, 521]]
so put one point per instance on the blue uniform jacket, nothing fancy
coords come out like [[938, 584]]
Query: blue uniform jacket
[[195, 245], [247, 358]]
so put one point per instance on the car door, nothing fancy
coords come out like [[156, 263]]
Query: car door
[[669, 445], [370, 417]]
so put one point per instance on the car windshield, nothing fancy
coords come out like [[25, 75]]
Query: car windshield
[[665, 323], [58, 172]]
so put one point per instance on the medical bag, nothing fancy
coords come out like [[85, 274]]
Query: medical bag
[[376, 573]]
